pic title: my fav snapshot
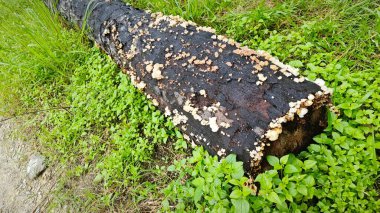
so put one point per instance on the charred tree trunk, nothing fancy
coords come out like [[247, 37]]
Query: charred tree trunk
[[228, 98]]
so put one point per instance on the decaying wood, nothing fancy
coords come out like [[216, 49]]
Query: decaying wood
[[228, 98]]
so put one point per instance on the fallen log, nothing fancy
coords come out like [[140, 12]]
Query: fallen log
[[228, 98]]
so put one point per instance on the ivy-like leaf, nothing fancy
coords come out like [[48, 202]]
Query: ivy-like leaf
[[308, 164], [284, 159], [198, 194], [302, 189], [235, 194], [273, 160], [240, 205], [264, 180], [309, 181], [290, 168], [274, 198], [198, 182]]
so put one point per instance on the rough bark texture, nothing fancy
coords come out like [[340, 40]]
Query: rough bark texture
[[228, 98]]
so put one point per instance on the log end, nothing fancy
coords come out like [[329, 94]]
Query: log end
[[296, 135]]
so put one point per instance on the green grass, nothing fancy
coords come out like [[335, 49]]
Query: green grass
[[115, 150], [37, 55]]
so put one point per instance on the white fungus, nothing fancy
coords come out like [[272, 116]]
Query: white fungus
[[214, 126], [302, 112], [155, 102], [178, 119], [203, 92], [221, 152], [273, 134], [156, 74], [141, 85], [167, 111], [149, 68]]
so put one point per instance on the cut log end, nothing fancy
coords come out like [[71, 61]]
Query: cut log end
[[296, 135]]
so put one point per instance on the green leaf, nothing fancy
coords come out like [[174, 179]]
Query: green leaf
[[366, 96], [273, 160], [198, 194], [288, 196], [98, 178], [274, 198], [296, 63], [240, 205], [171, 168], [314, 148], [308, 164], [234, 182], [247, 191], [238, 171], [357, 133], [165, 204], [284, 159], [198, 182], [309, 181], [264, 180], [231, 158], [302, 189], [235, 194], [340, 125], [377, 145], [289, 169]]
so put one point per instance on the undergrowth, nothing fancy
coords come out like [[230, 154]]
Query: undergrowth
[[115, 149]]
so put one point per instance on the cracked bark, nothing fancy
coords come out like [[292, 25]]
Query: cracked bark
[[228, 98]]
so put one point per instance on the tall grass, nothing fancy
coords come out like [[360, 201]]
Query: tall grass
[[36, 54]]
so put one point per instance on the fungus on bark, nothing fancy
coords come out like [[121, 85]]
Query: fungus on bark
[[228, 98]]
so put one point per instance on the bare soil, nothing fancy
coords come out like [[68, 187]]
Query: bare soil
[[17, 192]]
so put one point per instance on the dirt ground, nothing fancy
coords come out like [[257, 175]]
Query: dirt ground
[[17, 192]]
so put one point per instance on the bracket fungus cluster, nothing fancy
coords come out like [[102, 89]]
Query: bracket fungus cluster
[[228, 98]]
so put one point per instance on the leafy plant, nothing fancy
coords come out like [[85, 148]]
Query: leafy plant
[[206, 184]]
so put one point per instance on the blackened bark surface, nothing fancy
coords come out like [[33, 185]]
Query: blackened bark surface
[[228, 98]]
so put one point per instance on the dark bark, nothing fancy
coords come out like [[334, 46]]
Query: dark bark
[[228, 98]]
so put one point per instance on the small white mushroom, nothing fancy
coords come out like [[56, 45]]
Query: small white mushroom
[[252, 153], [204, 122], [308, 103], [156, 74], [221, 152], [302, 112], [213, 124], [292, 110], [155, 102], [319, 82], [178, 119], [141, 85], [203, 92], [186, 137], [167, 111], [273, 134], [149, 68], [292, 104], [225, 125], [261, 77]]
